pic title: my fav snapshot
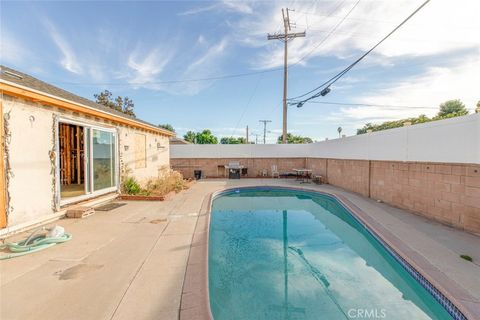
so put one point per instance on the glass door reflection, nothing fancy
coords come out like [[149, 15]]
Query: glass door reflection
[[103, 159]]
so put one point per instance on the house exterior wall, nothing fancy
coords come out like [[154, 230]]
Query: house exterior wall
[[157, 155], [31, 157], [29, 141]]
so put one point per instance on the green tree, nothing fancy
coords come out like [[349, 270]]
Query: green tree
[[293, 139], [392, 124], [448, 109], [167, 126], [477, 110], [120, 104], [232, 140], [206, 137], [452, 108], [189, 136]]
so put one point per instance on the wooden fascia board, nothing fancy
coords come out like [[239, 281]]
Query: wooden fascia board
[[38, 96]]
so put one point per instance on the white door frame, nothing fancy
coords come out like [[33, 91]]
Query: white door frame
[[93, 193]]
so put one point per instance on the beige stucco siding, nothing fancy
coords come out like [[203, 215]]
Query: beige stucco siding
[[157, 155], [31, 141], [28, 143]]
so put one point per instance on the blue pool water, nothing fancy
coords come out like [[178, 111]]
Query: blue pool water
[[285, 254]]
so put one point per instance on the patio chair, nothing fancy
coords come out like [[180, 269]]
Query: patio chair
[[318, 179], [275, 173]]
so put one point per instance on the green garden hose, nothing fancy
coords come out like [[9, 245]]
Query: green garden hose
[[32, 244]]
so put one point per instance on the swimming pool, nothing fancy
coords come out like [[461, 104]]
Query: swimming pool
[[289, 254]]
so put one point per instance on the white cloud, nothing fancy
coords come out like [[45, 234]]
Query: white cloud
[[235, 6], [434, 30], [11, 51], [207, 57], [205, 65], [415, 95], [198, 10], [69, 60], [238, 6], [433, 87], [201, 40], [440, 31], [147, 66]]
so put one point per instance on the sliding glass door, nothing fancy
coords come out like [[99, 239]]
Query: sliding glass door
[[103, 159], [96, 172]]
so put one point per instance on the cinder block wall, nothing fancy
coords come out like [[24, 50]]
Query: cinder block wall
[[213, 167], [431, 169], [351, 175], [449, 193]]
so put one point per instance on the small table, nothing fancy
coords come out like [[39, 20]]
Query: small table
[[303, 175]]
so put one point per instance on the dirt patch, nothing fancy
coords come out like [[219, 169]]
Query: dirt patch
[[157, 221], [77, 271]]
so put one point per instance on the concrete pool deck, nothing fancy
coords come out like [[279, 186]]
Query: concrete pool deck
[[131, 263]]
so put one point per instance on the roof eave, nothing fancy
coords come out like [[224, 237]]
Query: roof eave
[[17, 90]]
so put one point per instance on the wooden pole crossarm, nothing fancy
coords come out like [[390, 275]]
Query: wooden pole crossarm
[[285, 37]]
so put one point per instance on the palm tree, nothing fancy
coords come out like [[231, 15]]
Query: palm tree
[[339, 129]]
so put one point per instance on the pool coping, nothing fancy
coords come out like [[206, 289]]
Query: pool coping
[[195, 302]]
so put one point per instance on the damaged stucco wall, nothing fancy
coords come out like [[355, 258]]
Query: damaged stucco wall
[[157, 155], [32, 156], [29, 141]]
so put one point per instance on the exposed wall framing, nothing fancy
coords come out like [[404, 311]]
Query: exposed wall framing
[[3, 195], [7, 138], [53, 162], [72, 154]]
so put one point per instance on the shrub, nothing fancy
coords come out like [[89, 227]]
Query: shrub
[[466, 257], [171, 181], [131, 186]]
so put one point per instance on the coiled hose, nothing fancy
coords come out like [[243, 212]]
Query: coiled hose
[[32, 244]]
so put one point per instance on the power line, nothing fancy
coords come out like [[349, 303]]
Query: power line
[[285, 37], [265, 129], [316, 47], [369, 35], [248, 103], [329, 15], [221, 77], [330, 32], [334, 79], [371, 105], [237, 75]]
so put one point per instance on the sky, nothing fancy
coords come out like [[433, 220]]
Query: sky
[[164, 54]]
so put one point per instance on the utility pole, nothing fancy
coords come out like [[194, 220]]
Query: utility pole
[[247, 136], [256, 137], [285, 37], [265, 129]]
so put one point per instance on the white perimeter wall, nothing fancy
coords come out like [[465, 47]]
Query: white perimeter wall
[[455, 140]]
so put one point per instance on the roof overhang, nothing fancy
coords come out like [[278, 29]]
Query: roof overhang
[[17, 90]]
